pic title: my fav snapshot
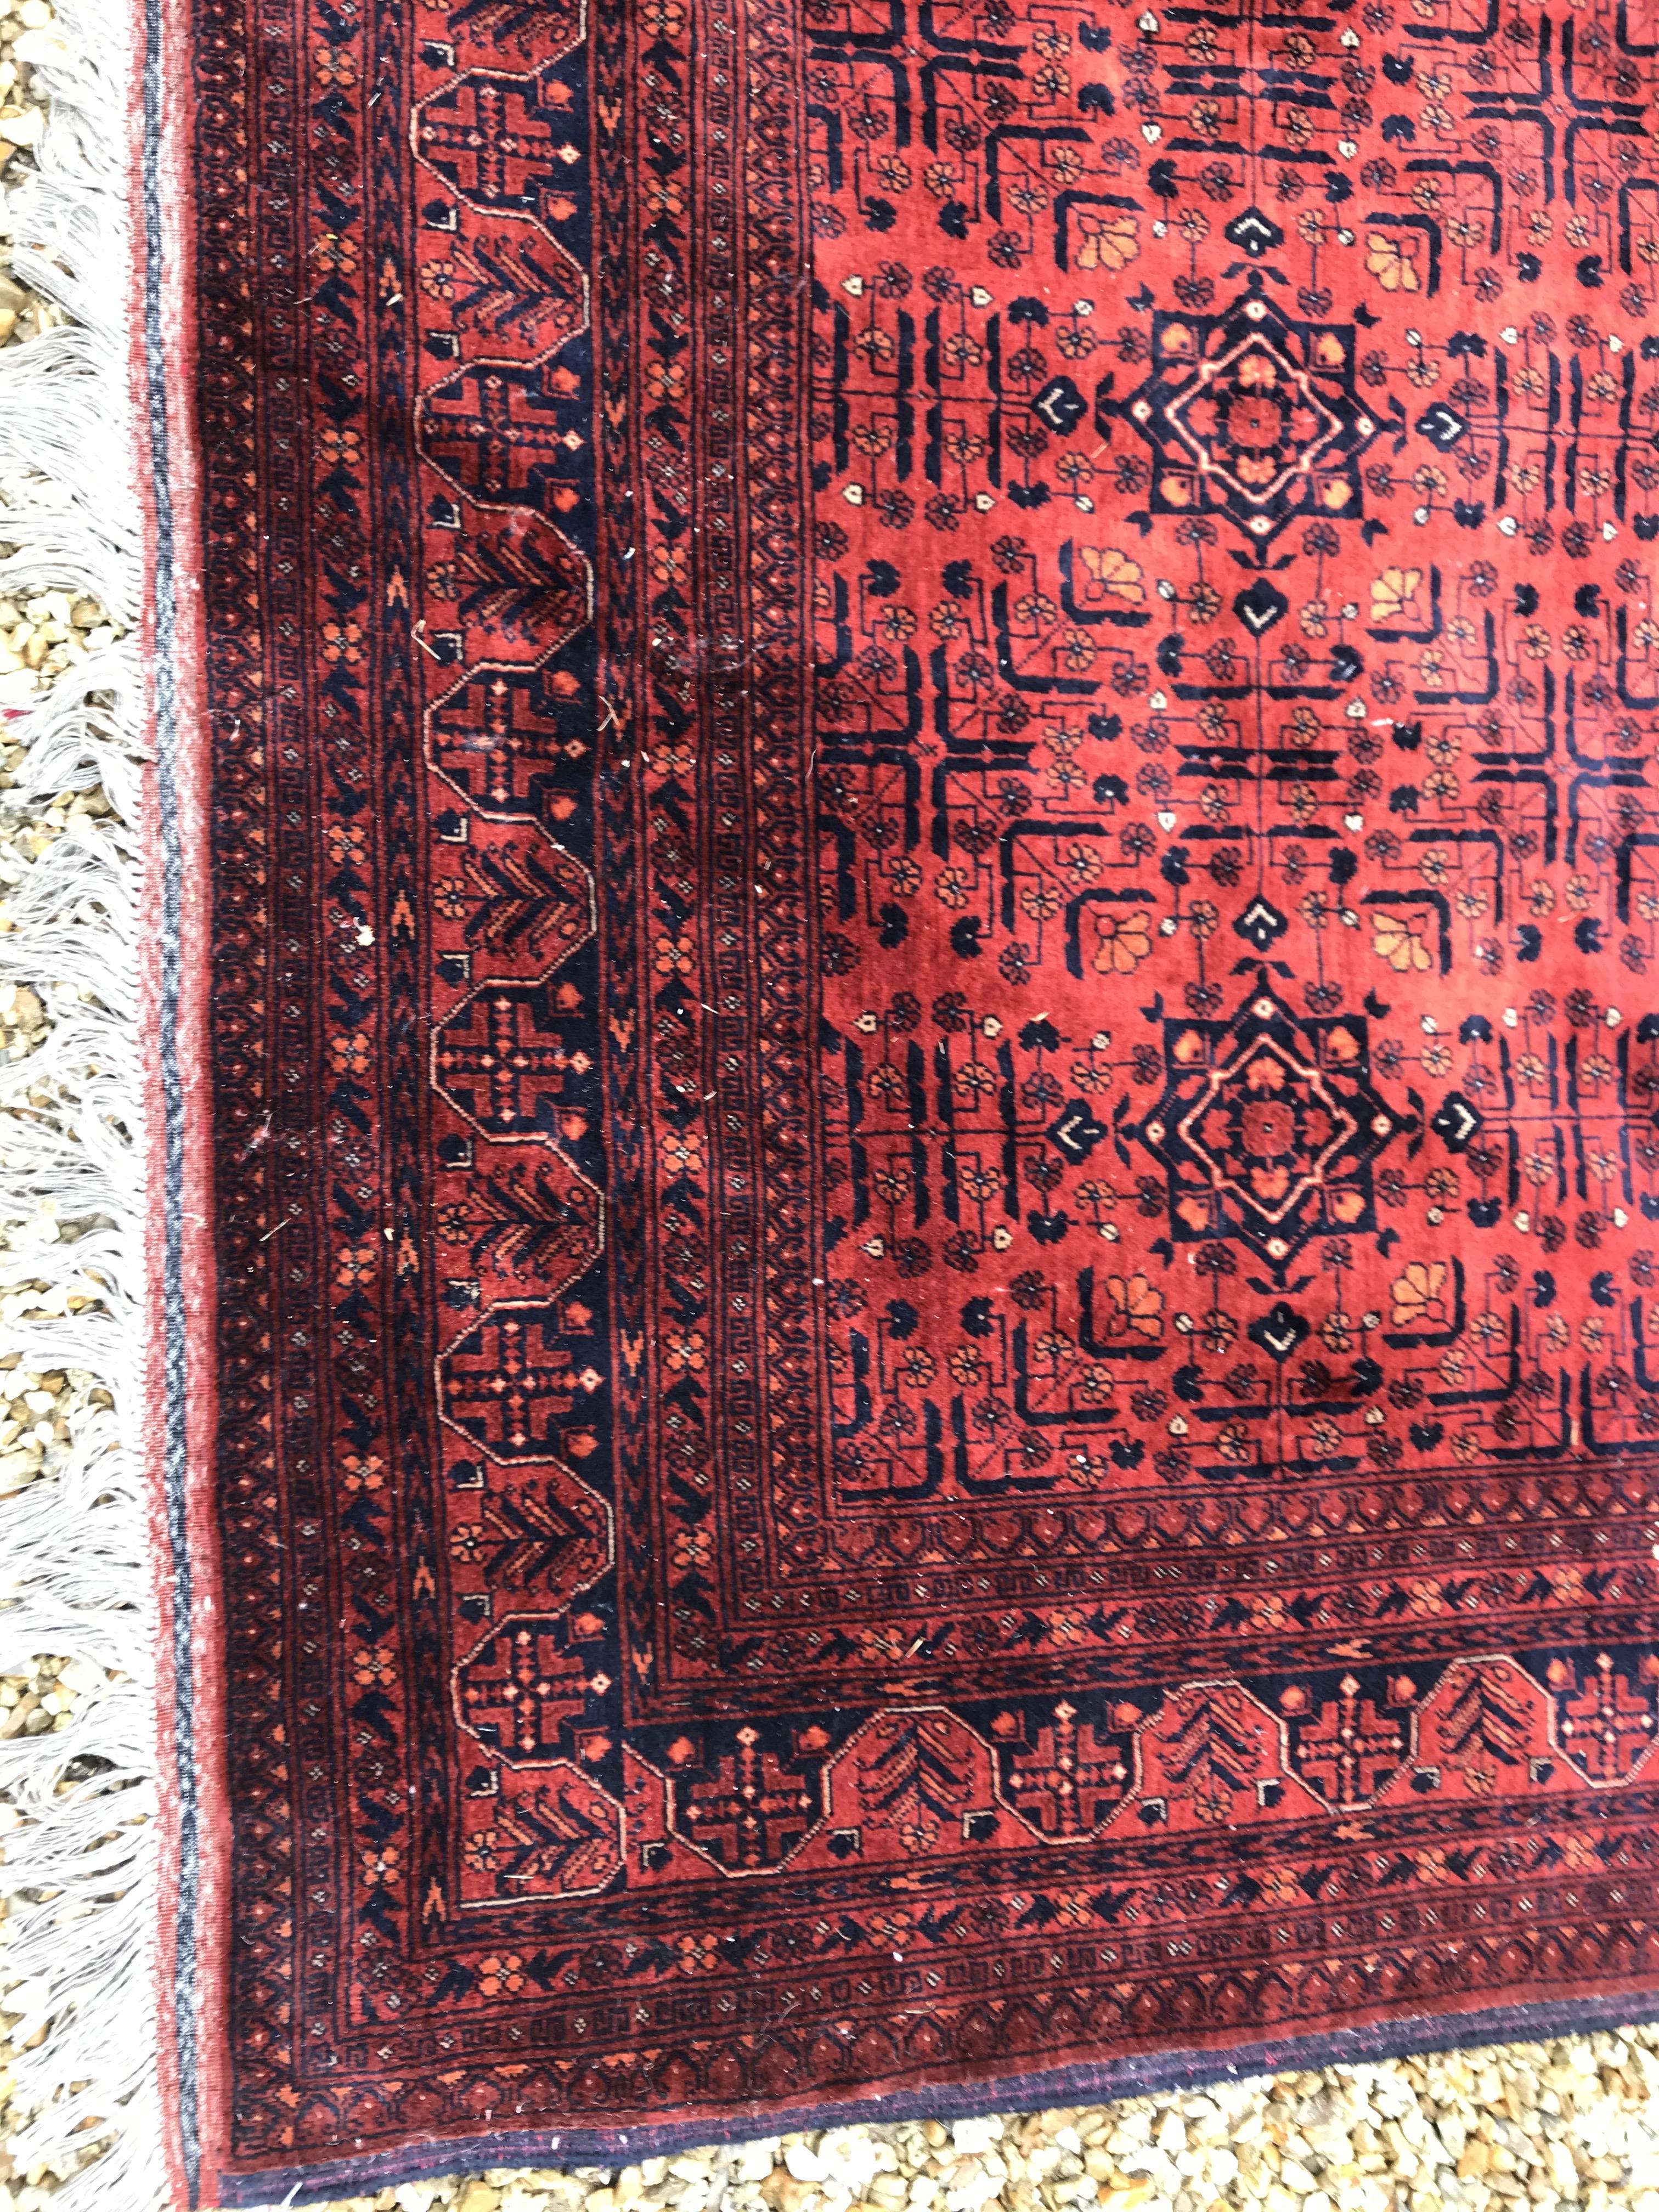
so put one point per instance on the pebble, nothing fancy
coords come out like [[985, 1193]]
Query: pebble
[[970, 2136], [40, 637]]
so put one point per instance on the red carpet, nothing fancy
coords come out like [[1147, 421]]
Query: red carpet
[[909, 1126]]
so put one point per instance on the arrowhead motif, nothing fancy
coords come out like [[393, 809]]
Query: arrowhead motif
[[1261, 924], [1456, 1122], [1442, 426], [1077, 1132], [1254, 232], [1278, 1331], [1261, 607], [1060, 406]]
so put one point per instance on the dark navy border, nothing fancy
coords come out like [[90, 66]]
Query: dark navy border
[[185, 2057], [1066, 2085]]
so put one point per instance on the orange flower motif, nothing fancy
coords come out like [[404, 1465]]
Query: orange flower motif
[[682, 1153], [1126, 939], [354, 1264], [350, 1054], [697, 1954], [1112, 575], [1392, 593], [1418, 1296], [1134, 1307], [1390, 263], [335, 253], [1111, 240], [693, 1548], [1399, 938]]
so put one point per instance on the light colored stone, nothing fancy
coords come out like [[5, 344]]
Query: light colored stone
[[1134, 2196], [970, 2136]]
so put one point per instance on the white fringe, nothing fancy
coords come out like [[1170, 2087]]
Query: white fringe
[[80, 1868]]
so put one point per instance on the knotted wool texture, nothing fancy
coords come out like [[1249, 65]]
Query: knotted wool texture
[[907, 1131]]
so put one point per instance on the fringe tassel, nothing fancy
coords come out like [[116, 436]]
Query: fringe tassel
[[79, 1854]]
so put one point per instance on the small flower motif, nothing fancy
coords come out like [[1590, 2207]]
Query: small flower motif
[[373, 1668], [336, 255], [383, 1866], [340, 448], [354, 1264], [682, 1153], [364, 1476], [335, 68]]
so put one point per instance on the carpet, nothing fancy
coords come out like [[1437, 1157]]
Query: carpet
[[904, 891]]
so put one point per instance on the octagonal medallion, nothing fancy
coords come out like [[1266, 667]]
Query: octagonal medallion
[[1267, 1128], [1253, 415]]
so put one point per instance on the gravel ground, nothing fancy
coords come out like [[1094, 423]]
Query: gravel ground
[[43, 635], [1573, 2122], [26, 31]]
